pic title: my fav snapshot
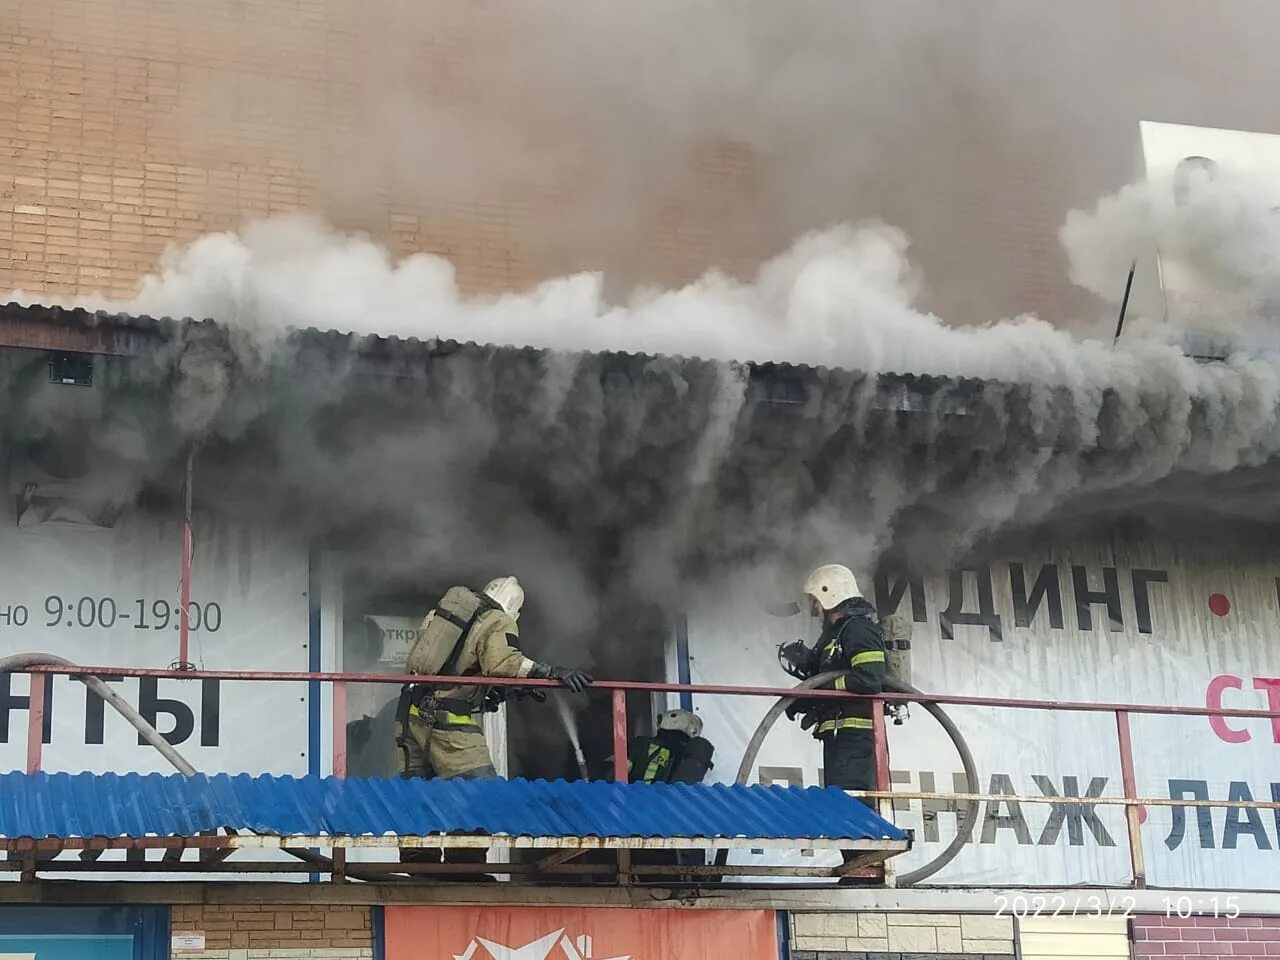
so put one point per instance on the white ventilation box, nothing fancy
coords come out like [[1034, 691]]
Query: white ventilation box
[[1172, 282]]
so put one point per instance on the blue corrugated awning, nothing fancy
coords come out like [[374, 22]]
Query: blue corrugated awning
[[46, 806]]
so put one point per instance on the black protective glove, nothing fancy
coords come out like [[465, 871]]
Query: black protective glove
[[809, 716], [529, 693], [575, 680]]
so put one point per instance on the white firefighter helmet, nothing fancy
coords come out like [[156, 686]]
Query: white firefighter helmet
[[507, 593], [681, 721], [831, 585]]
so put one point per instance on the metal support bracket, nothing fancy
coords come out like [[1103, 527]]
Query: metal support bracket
[[557, 858], [859, 864]]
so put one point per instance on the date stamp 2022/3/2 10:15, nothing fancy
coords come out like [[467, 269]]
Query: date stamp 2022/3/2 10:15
[[1119, 905]]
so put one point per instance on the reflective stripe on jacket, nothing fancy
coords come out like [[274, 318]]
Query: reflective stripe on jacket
[[844, 723], [450, 714]]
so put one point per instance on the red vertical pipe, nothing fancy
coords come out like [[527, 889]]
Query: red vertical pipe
[[1133, 814], [883, 806], [35, 722], [184, 621], [620, 771], [339, 728], [881, 736]]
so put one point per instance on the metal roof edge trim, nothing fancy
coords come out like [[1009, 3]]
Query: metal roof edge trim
[[30, 317]]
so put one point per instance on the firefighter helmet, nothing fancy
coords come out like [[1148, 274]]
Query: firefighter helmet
[[507, 593], [681, 721], [831, 585]]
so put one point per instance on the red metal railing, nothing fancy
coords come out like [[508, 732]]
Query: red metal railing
[[620, 688]]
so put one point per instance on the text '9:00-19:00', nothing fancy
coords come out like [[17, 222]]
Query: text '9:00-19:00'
[[106, 613]]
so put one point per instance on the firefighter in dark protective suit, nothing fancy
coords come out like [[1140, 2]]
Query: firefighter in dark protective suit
[[852, 643], [438, 733], [677, 753]]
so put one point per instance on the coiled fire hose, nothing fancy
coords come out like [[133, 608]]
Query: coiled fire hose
[[964, 829], [21, 661]]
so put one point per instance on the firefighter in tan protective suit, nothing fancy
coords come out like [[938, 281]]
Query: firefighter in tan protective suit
[[467, 634], [438, 732]]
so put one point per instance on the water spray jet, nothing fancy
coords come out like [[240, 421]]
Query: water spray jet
[[571, 728]]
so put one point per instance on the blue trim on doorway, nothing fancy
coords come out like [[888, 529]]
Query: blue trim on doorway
[[784, 934], [379, 933], [155, 936], [682, 661], [149, 926], [314, 664]]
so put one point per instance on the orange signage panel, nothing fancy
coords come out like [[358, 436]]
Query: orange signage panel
[[578, 933]]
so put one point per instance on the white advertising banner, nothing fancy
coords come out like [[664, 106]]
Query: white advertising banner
[[110, 596], [1138, 624]]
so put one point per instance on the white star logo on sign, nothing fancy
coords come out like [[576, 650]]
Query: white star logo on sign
[[539, 949]]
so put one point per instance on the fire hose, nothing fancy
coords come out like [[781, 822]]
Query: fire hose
[[968, 821], [21, 661]]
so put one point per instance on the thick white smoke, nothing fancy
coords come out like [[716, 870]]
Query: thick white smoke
[[1136, 411], [1214, 239], [842, 297]]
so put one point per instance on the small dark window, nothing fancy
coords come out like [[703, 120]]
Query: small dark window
[[73, 369]]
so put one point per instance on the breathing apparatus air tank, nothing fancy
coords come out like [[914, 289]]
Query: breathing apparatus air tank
[[897, 657]]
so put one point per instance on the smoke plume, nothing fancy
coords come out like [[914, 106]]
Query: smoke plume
[[740, 125], [613, 484], [615, 480], [526, 139]]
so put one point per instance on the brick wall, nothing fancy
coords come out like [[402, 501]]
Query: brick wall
[[893, 936], [126, 125], [245, 931], [1177, 939]]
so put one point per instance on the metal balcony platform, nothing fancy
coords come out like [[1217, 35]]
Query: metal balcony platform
[[43, 815]]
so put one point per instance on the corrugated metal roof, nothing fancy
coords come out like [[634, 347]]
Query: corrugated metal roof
[[63, 805], [75, 329]]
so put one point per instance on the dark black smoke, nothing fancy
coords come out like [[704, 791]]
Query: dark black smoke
[[616, 485]]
